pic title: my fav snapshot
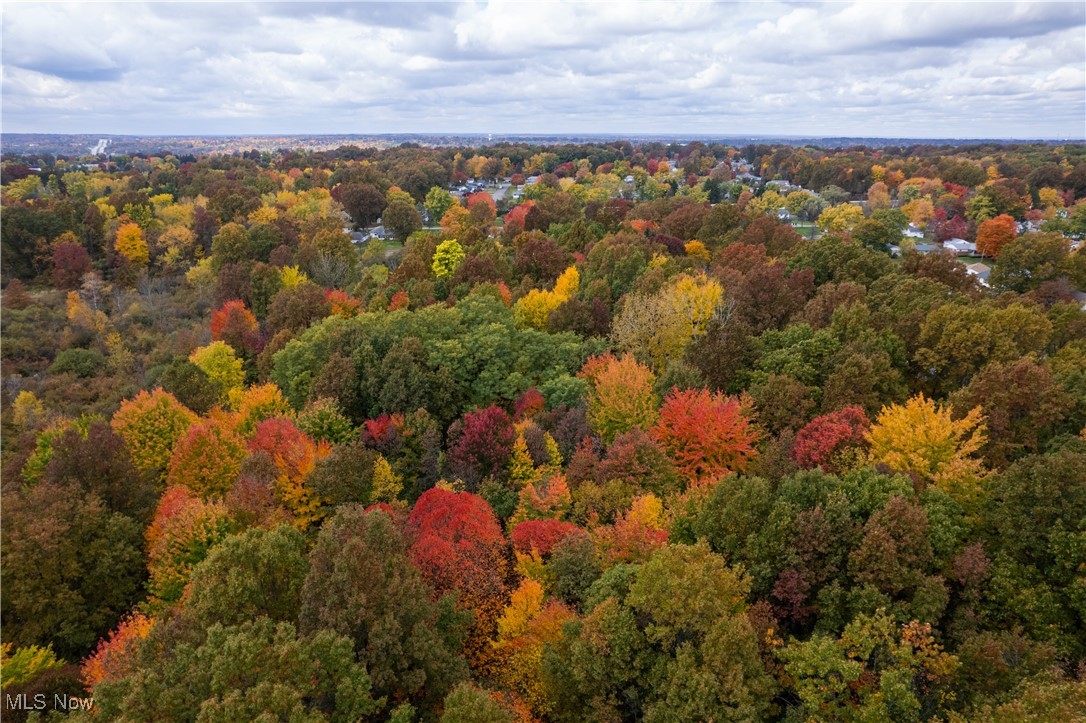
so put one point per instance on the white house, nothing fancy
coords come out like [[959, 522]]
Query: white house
[[960, 246], [913, 231]]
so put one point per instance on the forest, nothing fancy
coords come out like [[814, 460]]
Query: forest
[[595, 432]]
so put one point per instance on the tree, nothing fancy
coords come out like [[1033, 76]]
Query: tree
[[402, 218], [437, 202], [182, 532], [222, 367], [469, 704], [1029, 260], [840, 219], [621, 395], [151, 424], [922, 438], [447, 257], [97, 461], [296, 307], [70, 262], [323, 420], [258, 670], [258, 403], [535, 308], [482, 445], [362, 201], [295, 456], [208, 457], [707, 434], [994, 234], [236, 325], [526, 626], [876, 670], [71, 568], [130, 244], [191, 385], [957, 340], [1023, 406], [229, 246], [541, 536], [246, 576], [670, 640], [459, 547], [832, 441], [361, 584], [657, 329]]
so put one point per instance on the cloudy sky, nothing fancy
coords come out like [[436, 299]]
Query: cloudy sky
[[867, 69]]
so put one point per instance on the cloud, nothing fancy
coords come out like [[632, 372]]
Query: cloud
[[900, 69]]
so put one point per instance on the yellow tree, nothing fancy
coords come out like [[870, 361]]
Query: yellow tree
[[621, 395], [922, 438], [658, 328], [841, 218], [130, 244], [222, 367], [534, 308]]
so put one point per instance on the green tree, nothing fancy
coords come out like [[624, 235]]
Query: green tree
[[437, 202], [258, 670], [71, 567], [362, 585], [257, 573]]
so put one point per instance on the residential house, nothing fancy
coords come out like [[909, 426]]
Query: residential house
[[960, 247], [980, 271], [913, 231]]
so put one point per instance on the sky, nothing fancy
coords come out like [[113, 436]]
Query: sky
[[873, 69]]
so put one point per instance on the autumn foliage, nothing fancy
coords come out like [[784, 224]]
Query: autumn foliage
[[994, 234], [183, 531], [541, 536], [922, 438], [459, 547], [151, 424], [706, 434], [236, 325], [483, 445], [821, 442], [295, 455], [115, 656], [208, 457], [621, 395]]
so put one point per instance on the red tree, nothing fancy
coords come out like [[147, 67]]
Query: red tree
[[541, 535], [482, 208], [528, 404], [706, 434], [70, 262], [824, 437], [236, 325], [459, 548], [483, 445]]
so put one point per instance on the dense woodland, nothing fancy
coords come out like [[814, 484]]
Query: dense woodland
[[625, 446]]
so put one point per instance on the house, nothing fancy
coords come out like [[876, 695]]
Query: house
[[895, 251], [780, 186], [913, 231], [927, 248], [1080, 298], [1028, 226], [960, 246], [980, 271], [783, 214]]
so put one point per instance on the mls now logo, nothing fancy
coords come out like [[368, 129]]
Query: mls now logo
[[40, 701]]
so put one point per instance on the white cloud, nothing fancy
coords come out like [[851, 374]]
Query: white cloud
[[921, 69]]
